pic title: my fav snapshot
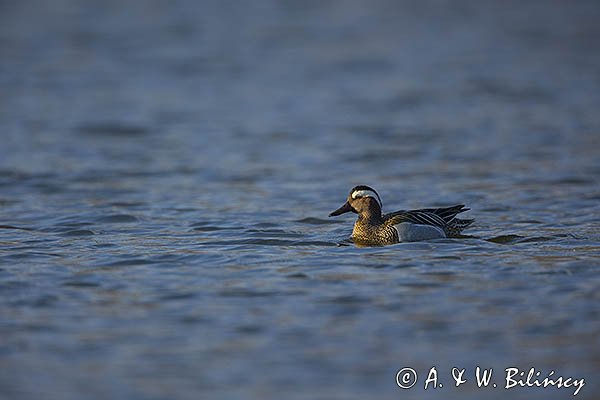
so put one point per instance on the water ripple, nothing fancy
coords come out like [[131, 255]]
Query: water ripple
[[117, 219]]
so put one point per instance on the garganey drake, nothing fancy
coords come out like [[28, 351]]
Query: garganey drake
[[372, 228]]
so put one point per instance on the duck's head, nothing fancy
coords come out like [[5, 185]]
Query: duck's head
[[362, 199]]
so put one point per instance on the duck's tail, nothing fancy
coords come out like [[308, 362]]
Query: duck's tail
[[457, 225]]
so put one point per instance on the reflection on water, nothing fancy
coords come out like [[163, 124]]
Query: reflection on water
[[166, 172]]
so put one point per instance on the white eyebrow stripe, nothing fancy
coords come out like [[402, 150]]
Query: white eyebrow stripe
[[366, 193], [363, 193]]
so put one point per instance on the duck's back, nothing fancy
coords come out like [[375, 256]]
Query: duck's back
[[428, 222]]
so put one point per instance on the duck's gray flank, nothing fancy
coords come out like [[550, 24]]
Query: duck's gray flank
[[374, 228]]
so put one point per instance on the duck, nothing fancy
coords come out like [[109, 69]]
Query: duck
[[373, 228]]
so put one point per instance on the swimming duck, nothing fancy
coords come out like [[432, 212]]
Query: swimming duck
[[373, 228]]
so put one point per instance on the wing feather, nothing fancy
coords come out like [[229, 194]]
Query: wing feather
[[427, 216]]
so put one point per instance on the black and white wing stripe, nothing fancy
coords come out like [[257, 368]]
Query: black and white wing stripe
[[440, 217], [447, 213], [417, 217]]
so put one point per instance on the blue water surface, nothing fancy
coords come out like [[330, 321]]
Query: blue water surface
[[167, 168]]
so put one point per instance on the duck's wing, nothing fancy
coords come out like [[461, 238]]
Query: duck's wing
[[440, 217], [420, 217]]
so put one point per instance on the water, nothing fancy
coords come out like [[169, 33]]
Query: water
[[167, 168]]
